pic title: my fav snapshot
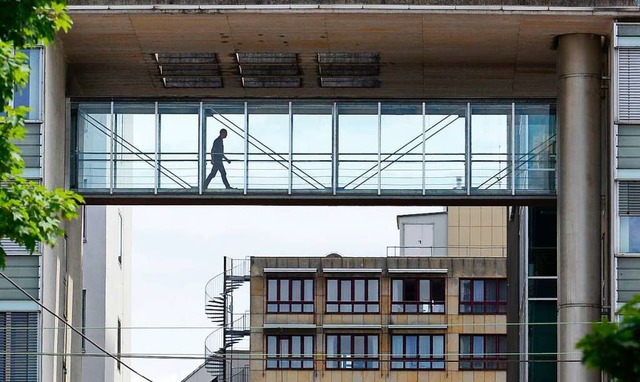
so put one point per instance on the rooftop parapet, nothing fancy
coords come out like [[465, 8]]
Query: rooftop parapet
[[476, 3]]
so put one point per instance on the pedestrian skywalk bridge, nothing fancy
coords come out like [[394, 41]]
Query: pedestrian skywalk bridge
[[315, 152]]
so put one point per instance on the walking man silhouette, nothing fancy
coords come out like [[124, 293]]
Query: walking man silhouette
[[217, 156]]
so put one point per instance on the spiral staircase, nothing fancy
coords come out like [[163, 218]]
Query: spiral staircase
[[231, 327]]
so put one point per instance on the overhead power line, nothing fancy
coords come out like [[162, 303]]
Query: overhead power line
[[110, 355]]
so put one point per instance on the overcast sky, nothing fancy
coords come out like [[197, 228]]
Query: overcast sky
[[176, 250]]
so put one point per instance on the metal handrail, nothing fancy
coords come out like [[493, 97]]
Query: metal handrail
[[146, 158]]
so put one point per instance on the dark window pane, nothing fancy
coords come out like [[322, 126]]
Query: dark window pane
[[410, 290]]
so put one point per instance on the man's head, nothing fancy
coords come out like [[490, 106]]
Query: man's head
[[223, 133]]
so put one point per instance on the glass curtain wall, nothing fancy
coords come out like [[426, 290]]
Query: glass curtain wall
[[316, 147]]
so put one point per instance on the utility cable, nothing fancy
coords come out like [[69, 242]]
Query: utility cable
[[73, 328]]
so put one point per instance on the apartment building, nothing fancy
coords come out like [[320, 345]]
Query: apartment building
[[378, 319]]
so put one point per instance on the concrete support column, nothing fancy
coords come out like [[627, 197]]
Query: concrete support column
[[578, 199]]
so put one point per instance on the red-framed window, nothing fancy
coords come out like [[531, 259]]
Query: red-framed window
[[290, 295], [352, 351], [483, 296], [290, 351], [346, 295], [483, 352], [413, 352], [418, 295]]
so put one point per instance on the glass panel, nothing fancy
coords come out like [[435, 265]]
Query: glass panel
[[332, 345], [178, 154], [296, 349], [358, 146], [345, 345], [396, 346], [542, 341], [296, 290], [438, 351], [373, 290], [345, 290], [272, 290], [332, 308], [94, 145], [359, 290], [358, 346], [31, 150], [308, 308], [284, 352], [425, 290], [230, 117], [284, 290], [478, 290], [372, 344], [465, 346], [272, 344], [535, 151], [543, 287], [478, 346], [308, 290], [410, 290], [412, 346], [465, 290], [402, 143], [396, 293], [492, 291], [490, 133], [445, 147], [308, 346], [29, 96], [502, 290], [630, 234], [629, 147], [135, 145], [332, 290], [272, 308], [269, 145], [312, 146]]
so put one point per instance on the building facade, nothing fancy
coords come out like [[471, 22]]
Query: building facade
[[546, 77], [378, 319], [106, 291]]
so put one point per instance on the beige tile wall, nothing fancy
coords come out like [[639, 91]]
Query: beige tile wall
[[479, 231]]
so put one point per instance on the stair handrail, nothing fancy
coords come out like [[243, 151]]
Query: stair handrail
[[508, 170], [131, 147], [400, 155], [232, 126]]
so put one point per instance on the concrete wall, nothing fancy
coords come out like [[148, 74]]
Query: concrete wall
[[564, 3], [108, 290], [61, 276], [439, 222], [468, 324]]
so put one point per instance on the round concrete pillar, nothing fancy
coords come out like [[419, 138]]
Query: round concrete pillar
[[579, 301]]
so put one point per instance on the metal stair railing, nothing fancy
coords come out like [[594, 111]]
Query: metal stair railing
[[272, 154], [508, 170], [146, 158], [401, 155]]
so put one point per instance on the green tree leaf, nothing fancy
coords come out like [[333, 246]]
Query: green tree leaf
[[29, 212]]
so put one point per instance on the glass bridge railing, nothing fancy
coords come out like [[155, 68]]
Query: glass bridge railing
[[315, 147]]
